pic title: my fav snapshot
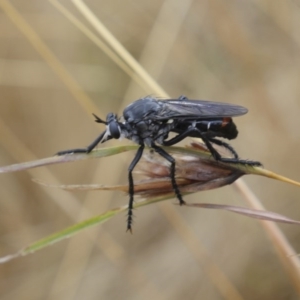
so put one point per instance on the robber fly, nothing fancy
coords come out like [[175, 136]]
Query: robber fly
[[148, 121]]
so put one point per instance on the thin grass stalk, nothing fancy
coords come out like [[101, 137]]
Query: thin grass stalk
[[95, 39], [284, 250], [271, 231], [19, 150], [118, 48]]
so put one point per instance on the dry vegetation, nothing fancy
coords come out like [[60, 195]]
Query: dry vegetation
[[53, 77]]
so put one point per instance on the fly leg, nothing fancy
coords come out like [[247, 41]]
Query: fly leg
[[225, 145], [88, 149], [178, 138], [217, 156], [170, 159], [208, 142], [136, 159]]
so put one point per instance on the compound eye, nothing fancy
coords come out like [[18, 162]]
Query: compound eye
[[114, 129]]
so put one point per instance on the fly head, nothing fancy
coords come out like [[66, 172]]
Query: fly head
[[113, 130]]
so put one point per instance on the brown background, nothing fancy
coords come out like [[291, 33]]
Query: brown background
[[243, 52]]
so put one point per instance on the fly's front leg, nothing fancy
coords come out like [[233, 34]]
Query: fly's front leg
[[88, 149]]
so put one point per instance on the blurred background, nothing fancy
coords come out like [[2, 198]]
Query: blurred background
[[53, 77]]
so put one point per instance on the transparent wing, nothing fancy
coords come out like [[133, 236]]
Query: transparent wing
[[197, 109]]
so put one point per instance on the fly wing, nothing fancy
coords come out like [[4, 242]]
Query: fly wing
[[197, 109]]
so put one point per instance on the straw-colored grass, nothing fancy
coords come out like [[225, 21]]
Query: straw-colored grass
[[244, 53]]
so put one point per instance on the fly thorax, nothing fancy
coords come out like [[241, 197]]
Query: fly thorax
[[146, 128], [167, 127], [141, 127], [162, 132]]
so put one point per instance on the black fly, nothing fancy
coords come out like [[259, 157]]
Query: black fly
[[149, 121]]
